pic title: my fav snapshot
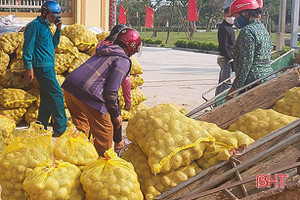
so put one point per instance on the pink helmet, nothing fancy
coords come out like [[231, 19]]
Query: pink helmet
[[241, 5], [260, 3], [131, 38]]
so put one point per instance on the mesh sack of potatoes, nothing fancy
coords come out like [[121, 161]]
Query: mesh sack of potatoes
[[4, 61], [9, 42], [11, 80], [36, 93], [289, 104], [136, 67], [19, 158], [226, 141], [110, 178], [81, 36], [19, 50], [261, 122], [126, 115], [136, 81], [1, 143], [65, 46], [152, 185], [82, 57], [16, 98], [91, 51], [74, 147], [16, 114], [54, 179], [60, 79], [7, 125], [62, 62], [31, 114], [137, 96], [169, 138], [103, 35], [17, 67]]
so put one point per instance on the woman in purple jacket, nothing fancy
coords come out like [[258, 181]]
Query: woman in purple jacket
[[91, 90]]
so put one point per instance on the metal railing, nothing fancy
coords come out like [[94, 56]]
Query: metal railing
[[33, 6]]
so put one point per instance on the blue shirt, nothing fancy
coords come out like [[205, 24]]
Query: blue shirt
[[39, 44]]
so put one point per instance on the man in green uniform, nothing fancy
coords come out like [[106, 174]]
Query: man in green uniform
[[38, 57]]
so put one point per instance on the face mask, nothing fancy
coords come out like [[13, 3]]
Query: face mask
[[229, 20], [241, 22]]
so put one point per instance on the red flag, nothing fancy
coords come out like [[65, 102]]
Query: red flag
[[192, 12], [149, 17], [122, 15]]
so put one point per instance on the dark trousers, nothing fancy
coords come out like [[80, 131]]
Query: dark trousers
[[52, 99], [117, 132]]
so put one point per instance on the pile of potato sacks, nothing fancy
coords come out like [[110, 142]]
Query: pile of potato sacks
[[32, 168], [169, 148], [20, 99]]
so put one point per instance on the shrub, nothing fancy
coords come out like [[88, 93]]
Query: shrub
[[194, 44]]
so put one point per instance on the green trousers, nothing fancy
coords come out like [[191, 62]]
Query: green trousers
[[52, 99]]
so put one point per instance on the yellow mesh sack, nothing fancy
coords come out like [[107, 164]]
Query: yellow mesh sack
[[17, 66], [7, 125], [65, 46], [16, 98], [74, 147], [20, 157], [4, 61], [11, 80], [169, 138], [103, 35], [36, 93], [9, 42], [110, 178], [1, 143], [60, 78], [126, 115], [16, 114], [62, 62], [152, 185], [13, 135], [32, 114], [19, 50], [261, 122], [136, 81], [82, 57], [54, 179], [92, 50], [137, 96], [289, 104], [136, 67], [81, 36]]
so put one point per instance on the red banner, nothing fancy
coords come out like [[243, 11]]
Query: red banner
[[192, 12], [149, 17], [122, 15]]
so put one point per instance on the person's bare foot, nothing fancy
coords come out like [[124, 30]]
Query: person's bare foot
[[119, 146]]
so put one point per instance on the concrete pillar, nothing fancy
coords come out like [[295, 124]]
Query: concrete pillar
[[295, 23], [281, 25]]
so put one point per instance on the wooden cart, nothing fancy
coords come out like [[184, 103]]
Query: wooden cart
[[278, 152]]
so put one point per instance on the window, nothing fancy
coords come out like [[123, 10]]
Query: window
[[32, 6]]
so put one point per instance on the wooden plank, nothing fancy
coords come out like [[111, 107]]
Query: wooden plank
[[237, 183], [263, 96], [252, 161]]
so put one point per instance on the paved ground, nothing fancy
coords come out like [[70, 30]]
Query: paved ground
[[174, 76]]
